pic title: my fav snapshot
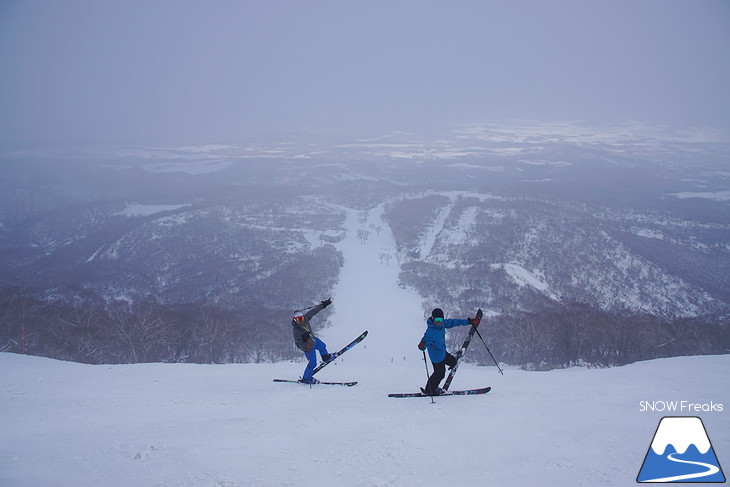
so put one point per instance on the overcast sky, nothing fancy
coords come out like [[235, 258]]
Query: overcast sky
[[209, 70]]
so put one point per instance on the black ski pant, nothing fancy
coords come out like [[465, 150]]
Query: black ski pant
[[439, 371]]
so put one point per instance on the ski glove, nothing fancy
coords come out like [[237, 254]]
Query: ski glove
[[326, 303], [422, 346], [477, 319]]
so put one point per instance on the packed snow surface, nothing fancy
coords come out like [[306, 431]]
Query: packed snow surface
[[79, 425]]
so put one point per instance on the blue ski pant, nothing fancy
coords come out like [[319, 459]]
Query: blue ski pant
[[320, 346]]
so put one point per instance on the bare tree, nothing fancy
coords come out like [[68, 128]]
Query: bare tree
[[82, 328], [363, 236], [212, 336], [143, 333]]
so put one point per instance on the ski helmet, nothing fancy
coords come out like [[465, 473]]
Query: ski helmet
[[437, 313], [299, 317]]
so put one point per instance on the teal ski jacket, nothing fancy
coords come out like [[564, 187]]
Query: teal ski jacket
[[435, 338]]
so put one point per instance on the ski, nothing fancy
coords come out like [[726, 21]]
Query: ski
[[467, 392], [333, 356], [337, 354], [300, 381], [461, 352]]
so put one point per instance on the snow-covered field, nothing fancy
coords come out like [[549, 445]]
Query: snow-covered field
[[66, 424]]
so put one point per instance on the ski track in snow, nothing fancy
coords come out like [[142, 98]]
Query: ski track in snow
[[429, 240]]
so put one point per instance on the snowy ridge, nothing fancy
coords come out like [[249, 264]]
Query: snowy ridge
[[137, 209], [716, 195], [612, 270]]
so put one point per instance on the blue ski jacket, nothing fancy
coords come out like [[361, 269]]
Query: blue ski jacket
[[435, 338]]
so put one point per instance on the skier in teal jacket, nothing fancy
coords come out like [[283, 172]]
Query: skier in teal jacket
[[435, 341]]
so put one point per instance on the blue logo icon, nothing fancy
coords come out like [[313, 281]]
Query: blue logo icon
[[681, 452]]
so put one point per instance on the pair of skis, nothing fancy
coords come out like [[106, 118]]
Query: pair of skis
[[452, 372], [466, 392], [332, 358], [300, 381]]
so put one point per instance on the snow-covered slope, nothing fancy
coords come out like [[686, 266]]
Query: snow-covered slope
[[368, 297], [230, 425]]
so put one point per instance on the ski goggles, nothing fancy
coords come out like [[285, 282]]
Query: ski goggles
[[438, 321]]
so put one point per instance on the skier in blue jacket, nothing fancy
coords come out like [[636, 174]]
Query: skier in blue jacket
[[435, 340]]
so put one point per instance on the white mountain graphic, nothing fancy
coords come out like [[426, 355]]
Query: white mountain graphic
[[680, 432]]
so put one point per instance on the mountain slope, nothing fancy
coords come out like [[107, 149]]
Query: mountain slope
[[620, 261]]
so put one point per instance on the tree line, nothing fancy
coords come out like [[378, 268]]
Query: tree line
[[578, 334], [91, 332], [556, 336]]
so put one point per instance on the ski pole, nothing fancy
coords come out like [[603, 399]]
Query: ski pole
[[426, 364], [304, 309], [308, 307], [428, 376], [490, 352]]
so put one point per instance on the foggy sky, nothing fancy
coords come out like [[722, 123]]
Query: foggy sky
[[178, 70]]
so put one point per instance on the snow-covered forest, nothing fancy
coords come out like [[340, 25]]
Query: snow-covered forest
[[200, 254]]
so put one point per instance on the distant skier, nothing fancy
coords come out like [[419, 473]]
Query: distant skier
[[307, 342], [435, 340]]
